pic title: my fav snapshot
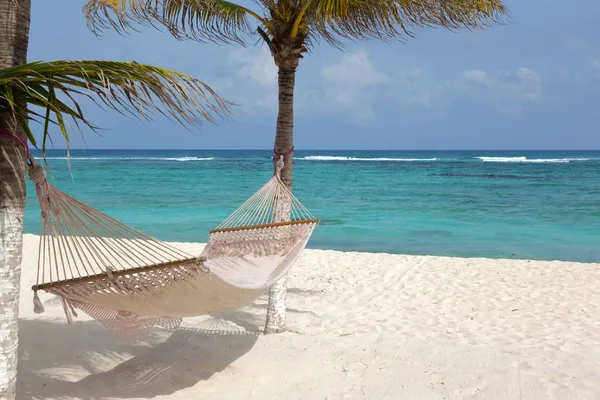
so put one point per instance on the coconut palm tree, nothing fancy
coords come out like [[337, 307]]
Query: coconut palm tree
[[48, 93], [290, 28]]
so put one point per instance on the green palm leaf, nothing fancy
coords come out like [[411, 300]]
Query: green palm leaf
[[132, 89], [331, 20], [386, 19], [214, 20]]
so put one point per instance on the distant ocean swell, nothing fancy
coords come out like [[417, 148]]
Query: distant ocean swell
[[135, 158], [519, 204], [534, 160], [317, 158], [344, 158]]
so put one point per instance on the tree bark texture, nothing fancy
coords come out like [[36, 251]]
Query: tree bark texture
[[284, 141], [14, 38]]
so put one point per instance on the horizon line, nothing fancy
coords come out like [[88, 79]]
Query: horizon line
[[270, 150]]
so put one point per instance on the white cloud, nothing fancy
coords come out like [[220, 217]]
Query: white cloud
[[256, 65], [254, 80], [416, 88], [530, 88], [508, 92], [476, 76], [355, 87], [354, 84], [355, 70], [348, 85]]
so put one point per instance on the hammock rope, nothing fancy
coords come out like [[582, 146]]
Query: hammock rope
[[129, 281]]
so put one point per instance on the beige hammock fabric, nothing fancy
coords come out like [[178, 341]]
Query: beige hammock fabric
[[130, 282]]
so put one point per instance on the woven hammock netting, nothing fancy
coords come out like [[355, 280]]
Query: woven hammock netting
[[130, 282]]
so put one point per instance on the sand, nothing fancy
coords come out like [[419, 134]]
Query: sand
[[361, 326]]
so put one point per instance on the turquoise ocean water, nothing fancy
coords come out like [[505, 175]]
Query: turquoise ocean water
[[517, 204]]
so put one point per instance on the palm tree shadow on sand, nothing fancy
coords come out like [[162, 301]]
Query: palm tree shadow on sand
[[49, 351]]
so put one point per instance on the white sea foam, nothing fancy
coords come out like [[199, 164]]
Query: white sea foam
[[530, 160], [79, 158], [342, 158], [187, 159], [75, 158]]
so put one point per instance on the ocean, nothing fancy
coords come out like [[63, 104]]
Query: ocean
[[542, 205]]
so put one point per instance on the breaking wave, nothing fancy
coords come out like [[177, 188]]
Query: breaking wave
[[530, 160], [342, 158], [75, 158]]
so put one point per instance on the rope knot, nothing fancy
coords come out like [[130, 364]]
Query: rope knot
[[37, 174], [277, 155], [279, 166]]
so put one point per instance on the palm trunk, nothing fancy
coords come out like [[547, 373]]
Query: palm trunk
[[14, 38], [284, 140]]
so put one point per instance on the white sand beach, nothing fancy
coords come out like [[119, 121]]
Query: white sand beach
[[361, 326]]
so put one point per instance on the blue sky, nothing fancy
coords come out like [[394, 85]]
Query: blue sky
[[532, 84]]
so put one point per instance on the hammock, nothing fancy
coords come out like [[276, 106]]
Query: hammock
[[130, 282]]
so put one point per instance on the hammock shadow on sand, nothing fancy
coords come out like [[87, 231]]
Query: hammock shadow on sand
[[185, 358], [252, 317]]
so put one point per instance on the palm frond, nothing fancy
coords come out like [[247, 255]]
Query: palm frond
[[333, 20], [218, 21], [132, 89]]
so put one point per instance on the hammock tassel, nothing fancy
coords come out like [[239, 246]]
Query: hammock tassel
[[38, 307], [69, 310]]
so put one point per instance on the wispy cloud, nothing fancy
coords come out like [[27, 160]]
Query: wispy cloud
[[254, 64], [355, 84], [349, 84], [417, 88], [509, 92], [356, 87], [253, 82]]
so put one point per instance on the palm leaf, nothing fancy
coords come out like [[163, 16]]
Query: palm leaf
[[387, 19], [132, 89], [332, 20], [213, 20]]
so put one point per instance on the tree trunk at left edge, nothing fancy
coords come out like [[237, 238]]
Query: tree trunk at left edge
[[14, 38], [284, 141]]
